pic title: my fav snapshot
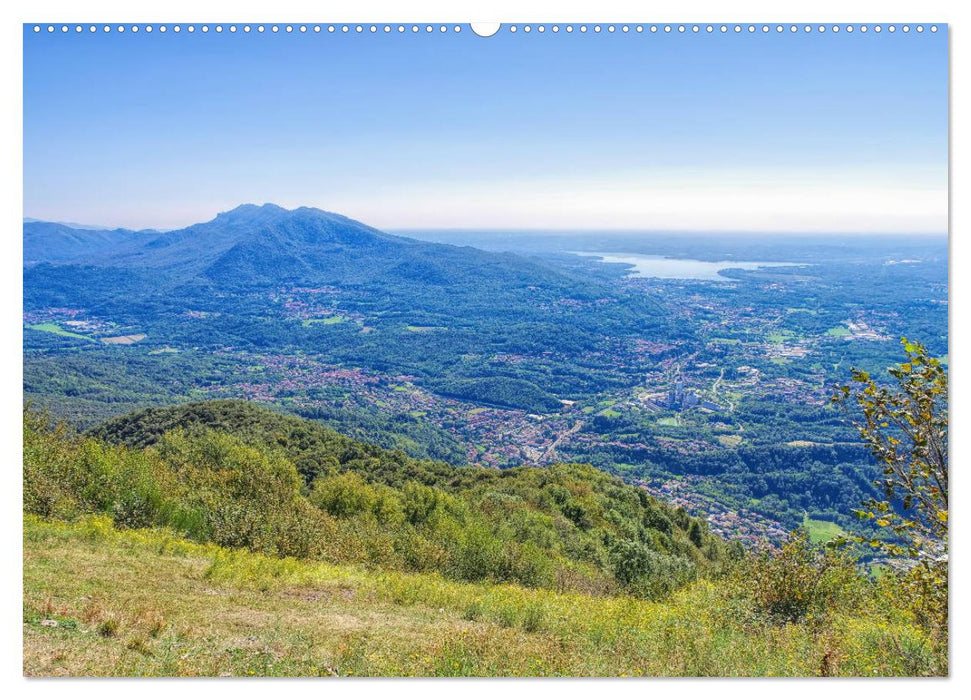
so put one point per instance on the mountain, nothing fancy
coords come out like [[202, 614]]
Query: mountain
[[70, 224], [255, 245], [49, 242], [314, 287]]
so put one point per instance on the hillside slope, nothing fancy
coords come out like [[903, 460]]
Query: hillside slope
[[239, 475], [267, 245], [105, 602]]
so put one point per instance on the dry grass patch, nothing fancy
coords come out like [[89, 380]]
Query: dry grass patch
[[131, 603]]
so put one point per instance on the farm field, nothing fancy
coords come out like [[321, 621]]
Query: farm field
[[57, 330], [821, 530]]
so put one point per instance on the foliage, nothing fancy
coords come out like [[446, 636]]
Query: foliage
[[242, 476], [905, 428], [801, 580]]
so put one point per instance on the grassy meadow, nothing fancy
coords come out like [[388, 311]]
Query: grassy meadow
[[101, 601], [223, 539]]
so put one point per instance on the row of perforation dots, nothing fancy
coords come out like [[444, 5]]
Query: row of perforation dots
[[513, 28]]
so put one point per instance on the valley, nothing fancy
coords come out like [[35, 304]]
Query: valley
[[713, 391]]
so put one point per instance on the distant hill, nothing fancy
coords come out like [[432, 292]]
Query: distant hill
[[318, 288], [540, 527], [307, 443], [267, 245], [62, 243], [70, 224]]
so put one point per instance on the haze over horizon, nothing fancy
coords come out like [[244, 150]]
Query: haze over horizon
[[409, 231], [830, 133]]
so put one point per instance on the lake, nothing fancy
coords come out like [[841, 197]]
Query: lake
[[680, 268]]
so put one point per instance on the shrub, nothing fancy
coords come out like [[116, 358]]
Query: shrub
[[344, 495], [479, 555], [801, 580], [647, 573]]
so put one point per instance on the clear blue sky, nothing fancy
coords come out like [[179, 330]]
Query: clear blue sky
[[832, 132]]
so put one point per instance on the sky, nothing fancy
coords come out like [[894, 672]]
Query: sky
[[777, 132]]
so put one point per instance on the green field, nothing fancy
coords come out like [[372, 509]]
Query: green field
[[326, 321], [57, 330], [425, 329], [821, 530], [838, 332], [779, 337]]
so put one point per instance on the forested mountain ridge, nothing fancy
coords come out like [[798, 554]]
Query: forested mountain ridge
[[242, 475], [259, 245], [47, 242]]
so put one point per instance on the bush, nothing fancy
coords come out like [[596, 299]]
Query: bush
[[420, 502], [343, 496], [647, 573], [801, 580]]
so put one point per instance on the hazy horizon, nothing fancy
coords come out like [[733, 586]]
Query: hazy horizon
[[404, 231]]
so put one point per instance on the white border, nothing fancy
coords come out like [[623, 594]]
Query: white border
[[520, 11]]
